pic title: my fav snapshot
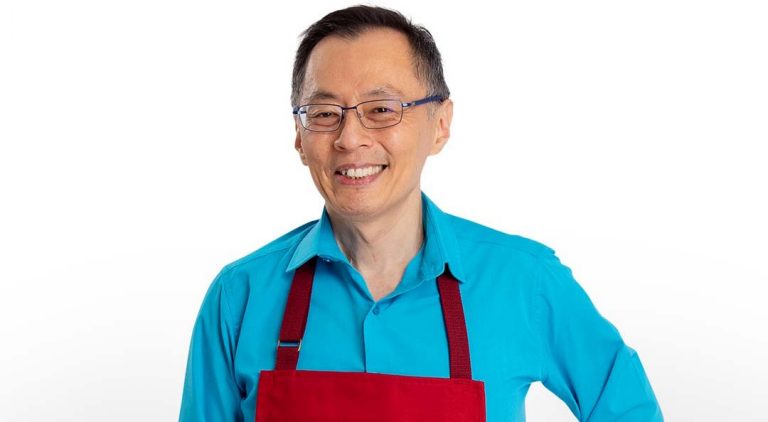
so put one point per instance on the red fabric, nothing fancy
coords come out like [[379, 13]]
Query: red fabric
[[318, 396], [295, 316], [455, 326], [288, 395]]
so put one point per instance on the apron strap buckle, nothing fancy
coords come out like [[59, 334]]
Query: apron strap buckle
[[289, 343]]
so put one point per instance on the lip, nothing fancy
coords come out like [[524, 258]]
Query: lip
[[356, 166], [367, 180]]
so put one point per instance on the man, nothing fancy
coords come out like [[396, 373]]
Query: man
[[387, 308]]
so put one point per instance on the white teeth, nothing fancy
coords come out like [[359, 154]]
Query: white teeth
[[362, 172]]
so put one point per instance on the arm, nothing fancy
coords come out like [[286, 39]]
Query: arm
[[210, 391], [584, 359]]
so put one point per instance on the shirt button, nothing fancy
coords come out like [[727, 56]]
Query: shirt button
[[376, 310]]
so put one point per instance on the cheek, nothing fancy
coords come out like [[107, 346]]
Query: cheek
[[316, 160], [421, 146]]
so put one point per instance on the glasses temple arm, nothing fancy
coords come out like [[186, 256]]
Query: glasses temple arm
[[424, 101]]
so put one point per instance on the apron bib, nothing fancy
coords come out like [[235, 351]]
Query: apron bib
[[289, 395]]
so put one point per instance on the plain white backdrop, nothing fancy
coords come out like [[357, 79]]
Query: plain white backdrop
[[145, 144]]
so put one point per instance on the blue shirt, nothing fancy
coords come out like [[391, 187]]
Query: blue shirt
[[527, 320]]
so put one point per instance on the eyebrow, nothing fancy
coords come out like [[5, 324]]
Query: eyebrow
[[385, 89], [321, 95]]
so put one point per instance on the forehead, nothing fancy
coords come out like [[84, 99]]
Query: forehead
[[374, 63]]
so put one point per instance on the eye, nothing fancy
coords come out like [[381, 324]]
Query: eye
[[323, 115], [382, 109]]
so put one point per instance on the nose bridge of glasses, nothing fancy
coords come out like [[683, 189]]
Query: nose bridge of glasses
[[357, 112], [355, 107]]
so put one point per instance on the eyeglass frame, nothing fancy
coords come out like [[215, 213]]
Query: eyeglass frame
[[425, 100]]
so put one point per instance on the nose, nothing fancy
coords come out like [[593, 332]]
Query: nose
[[352, 133]]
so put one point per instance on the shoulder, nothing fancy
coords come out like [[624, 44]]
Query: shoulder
[[254, 272], [272, 251], [534, 265], [486, 253], [239, 277], [470, 234], [517, 253]]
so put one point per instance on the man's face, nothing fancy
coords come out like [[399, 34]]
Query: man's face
[[377, 64]]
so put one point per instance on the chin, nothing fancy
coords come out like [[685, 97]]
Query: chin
[[355, 207]]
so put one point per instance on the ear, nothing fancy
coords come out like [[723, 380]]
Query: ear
[[297, 144], [443, 117]]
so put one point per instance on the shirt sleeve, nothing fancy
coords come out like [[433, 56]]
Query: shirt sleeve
[[210, 391], [584, 359]]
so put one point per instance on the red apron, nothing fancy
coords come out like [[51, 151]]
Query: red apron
[[288, 395]]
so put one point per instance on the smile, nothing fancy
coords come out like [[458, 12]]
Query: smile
[[361, 172]]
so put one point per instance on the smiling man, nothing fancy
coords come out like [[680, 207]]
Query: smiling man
[[387, 308]]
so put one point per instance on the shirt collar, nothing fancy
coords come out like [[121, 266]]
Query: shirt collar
[[440, 250], [319, 241]]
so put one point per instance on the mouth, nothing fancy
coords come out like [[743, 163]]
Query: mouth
[[361, 172], [359, 175]]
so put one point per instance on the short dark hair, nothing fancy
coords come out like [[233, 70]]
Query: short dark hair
[[353, 21]]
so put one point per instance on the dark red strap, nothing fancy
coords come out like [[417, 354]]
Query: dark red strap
[[297, 310], [455, 325], [295, 317]]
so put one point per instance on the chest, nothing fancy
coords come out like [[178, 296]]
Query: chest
[[404, 335]]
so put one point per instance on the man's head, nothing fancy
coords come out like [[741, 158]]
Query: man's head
[[358, 55], [351, 22]]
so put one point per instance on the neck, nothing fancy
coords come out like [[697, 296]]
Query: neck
[[384, 243]]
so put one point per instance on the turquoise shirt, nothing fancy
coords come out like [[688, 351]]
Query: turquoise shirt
[[527, 320]]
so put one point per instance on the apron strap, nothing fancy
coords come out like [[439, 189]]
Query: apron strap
[[297, 310], [295, 317], [455, 325]]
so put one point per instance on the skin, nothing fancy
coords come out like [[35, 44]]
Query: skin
[[378, 226]]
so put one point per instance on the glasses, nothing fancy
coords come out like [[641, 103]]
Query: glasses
[[376, 114]]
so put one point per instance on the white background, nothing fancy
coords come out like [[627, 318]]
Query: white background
[[145, 144]]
